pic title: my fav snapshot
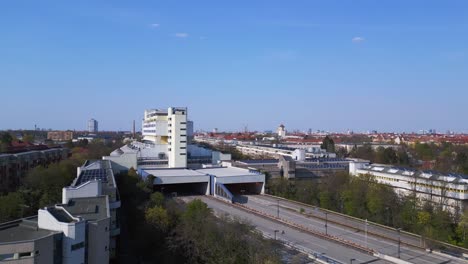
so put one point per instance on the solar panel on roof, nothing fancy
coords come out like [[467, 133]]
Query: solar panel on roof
[[95, 174]]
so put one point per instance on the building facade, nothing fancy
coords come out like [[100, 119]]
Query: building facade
[[168, 130], [447, 190], [14, 166], [92, 126], [84, 228], [60, 135]]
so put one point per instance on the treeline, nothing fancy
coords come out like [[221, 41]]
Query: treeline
[[165, 231], [445, 157], [42, 186], [364, 198], [225, 148]]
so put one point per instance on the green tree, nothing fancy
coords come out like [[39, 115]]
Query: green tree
[[6, 138], [158, 218], [328, 144], [11, 206], [156, 199]]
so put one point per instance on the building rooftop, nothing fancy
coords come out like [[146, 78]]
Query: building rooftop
[[427, 174], [89, 208], [259, 161], [228, 171], [60, 214], [173, 172], [95, 170], [25, 229]]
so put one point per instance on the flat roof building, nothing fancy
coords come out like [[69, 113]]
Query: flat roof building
[[448, 190]]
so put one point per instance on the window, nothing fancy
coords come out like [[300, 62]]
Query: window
[[183, 141], [183, 129], [25, 254], [182, 154], [77, 246], [183, 123], [169, 149], [182, 147], [6, 256]]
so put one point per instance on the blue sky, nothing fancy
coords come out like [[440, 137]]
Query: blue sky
[[331, 65]]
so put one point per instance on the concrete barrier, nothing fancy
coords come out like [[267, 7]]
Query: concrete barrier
[[391, 259]]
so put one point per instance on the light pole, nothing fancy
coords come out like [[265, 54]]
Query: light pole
[[326, 223], [276, 231], [277, 211], [366, 231], [399, 242]]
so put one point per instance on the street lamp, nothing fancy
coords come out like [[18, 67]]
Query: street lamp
[[366, 231], [277, 211], [399, 242], [326, 223]]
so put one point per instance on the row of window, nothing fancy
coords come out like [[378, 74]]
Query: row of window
[[11, 256], [424, 185]]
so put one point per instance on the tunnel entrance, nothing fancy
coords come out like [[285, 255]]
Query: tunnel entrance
[[245, 188], [240, 190], [182, 189]]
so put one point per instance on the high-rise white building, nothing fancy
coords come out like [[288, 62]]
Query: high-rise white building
[[168, 129], [281, 131], [92, 126]]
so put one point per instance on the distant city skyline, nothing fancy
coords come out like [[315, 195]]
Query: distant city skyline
[[328, 65]]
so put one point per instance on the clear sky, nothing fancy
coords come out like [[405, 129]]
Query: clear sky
[[332, 65]]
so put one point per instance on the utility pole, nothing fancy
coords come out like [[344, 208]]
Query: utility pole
[[399, 242]]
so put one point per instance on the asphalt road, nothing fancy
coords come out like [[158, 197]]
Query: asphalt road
[[290, 212], [291, 235]]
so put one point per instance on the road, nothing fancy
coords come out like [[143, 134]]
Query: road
[[290, 211], [291, 235]]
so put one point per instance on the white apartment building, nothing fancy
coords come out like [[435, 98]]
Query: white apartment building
[[448, 190], [167, 130]]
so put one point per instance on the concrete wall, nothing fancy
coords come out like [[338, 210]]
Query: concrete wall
[[73, 233], [123, 162], [99, 241], [42, 251], [87, 189], [177, 131]]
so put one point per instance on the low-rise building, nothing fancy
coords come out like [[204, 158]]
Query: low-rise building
[[13, 166], [60, 135], [445, 189]]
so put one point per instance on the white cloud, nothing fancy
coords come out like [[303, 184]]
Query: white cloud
[[154, 25], [357, 39], [181, 35]]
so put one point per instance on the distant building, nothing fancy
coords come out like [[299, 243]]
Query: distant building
[[14, 166], [92, 126], [281, 131], [60, 135]]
